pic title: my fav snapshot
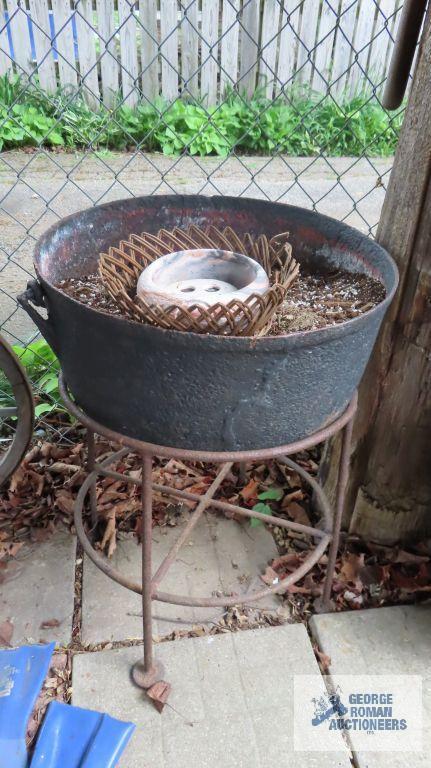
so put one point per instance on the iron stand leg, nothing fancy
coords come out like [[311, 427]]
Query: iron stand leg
[[147, 671], [242, 474], [91, 460], [326, 604]]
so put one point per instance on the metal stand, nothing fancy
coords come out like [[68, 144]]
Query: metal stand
[[146, 672]]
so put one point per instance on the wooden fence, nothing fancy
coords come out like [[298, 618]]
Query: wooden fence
[[155, 48]]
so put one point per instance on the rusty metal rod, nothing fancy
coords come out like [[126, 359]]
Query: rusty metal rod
[[403, 52], [343, 474], [103, 564], [281, 586], [242, 472], [198, 512], [322, 500], [227, 506], [146, 541], [325, 537], [91, 462]]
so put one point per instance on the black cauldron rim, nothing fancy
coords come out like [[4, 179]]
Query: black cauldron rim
[[315, 335]]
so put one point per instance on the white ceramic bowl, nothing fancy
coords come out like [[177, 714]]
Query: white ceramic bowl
[[201, 276]]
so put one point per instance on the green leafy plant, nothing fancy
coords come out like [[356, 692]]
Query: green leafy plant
[[302, 124], [27, 125], [272, 494], [42, 368]]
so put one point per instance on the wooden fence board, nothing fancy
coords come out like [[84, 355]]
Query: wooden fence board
[[209, 50], [169, 48], [361, 43], [149, 48], [189, 48], [324, 47], [42, 40], [308, 35], [249, 46], [156, 46], [18, 26], [128, 53], [268, 46], [380, 44], [108, 61], [289, 23], [343, 48], [64, 43], [5, 57], [87, 52], [229, 45]]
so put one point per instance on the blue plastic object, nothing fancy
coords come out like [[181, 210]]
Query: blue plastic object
[[71, 737], [22, 672]]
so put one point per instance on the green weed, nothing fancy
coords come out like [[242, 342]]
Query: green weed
[[302, 125], [42, 368], [272, 494]]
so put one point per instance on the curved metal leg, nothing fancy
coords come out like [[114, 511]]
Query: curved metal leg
[[21, 407]]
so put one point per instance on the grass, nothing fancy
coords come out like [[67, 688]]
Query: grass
[[303, 126]]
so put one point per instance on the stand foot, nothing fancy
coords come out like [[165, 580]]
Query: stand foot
[[324, 606], [146, 678]]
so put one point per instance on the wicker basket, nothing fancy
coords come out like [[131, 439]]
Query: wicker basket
[[121, 267]]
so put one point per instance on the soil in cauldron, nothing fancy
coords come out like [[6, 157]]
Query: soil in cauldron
[[318, 300], [313, 301]]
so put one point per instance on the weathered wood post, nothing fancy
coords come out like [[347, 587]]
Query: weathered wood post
[[389, 496]]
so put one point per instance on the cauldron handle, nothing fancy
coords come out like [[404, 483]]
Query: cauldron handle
[[34, 295]]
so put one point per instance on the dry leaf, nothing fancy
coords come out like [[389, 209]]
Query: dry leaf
[[296, 589], [323, 658], [62, 468], [10, 550], [409, 583], [110, 535], [288, 562], [199, 488], [401, 556], [250, 490], [159, 694], [270, 576], [65, 502], [49, 623], [297, 513], [351, 567], [17, 479], [292, 496], [6, 632]]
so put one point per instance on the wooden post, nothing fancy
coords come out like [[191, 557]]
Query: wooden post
[[390, 482]]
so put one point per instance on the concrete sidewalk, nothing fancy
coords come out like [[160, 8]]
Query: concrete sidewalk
[[382, 641], [231, 703], [232, 693]]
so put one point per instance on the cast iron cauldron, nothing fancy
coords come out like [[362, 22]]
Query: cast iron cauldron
[[198, 392]]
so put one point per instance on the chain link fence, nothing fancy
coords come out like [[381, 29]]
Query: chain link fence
[[271, 99]]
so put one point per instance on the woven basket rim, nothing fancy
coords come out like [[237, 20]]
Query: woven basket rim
[[121, 267]]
